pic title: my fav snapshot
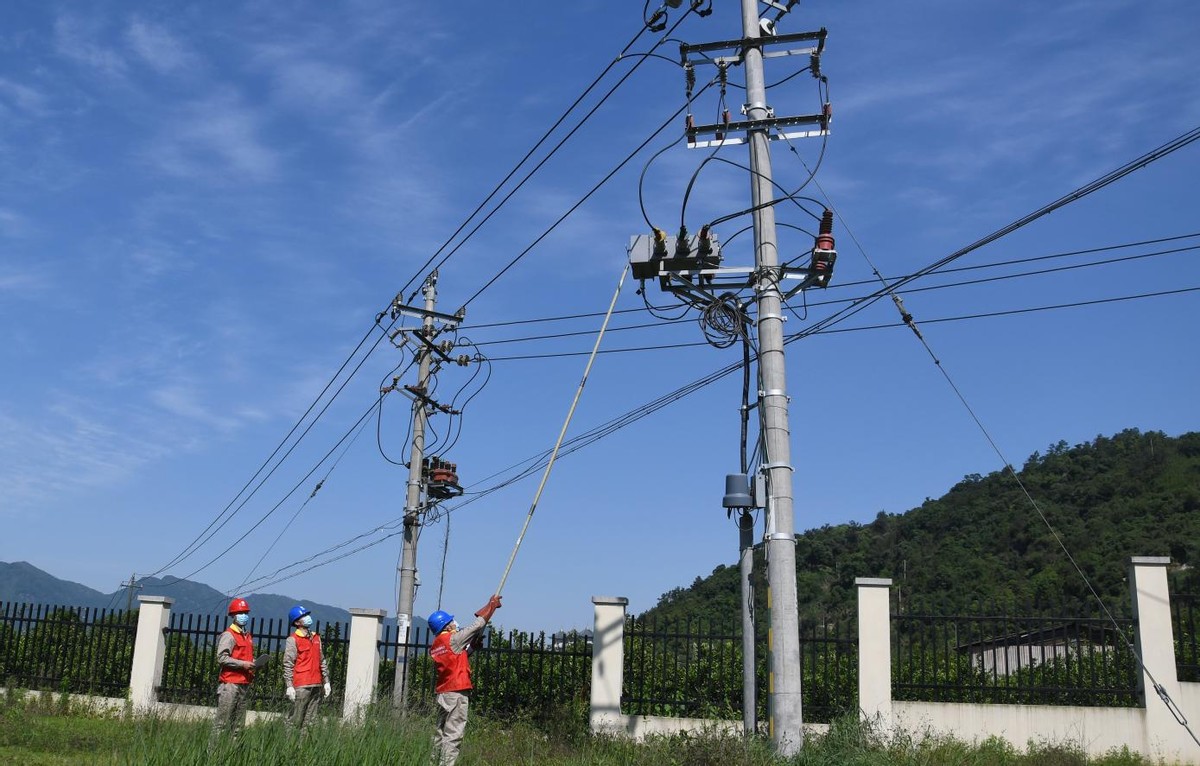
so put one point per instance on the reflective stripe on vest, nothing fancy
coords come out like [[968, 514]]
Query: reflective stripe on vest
[[307, 670], [243, 649], [453, 670]]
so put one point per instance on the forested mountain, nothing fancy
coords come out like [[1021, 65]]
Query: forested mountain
[[984, 546], [21, 582]]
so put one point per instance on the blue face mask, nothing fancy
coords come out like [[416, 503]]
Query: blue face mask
[[306, 621], [242, 619]]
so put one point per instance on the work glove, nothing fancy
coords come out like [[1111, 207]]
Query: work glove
[[328, 689], [290, 693], [489, 608], [261, 660]]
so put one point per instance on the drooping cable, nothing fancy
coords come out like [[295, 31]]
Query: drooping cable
[[200, 539]]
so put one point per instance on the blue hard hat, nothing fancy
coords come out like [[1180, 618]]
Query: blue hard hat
[[296, 613], [439, 620]]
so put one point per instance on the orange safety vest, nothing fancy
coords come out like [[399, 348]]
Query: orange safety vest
[[307, 670], [243, 649], [453, 670]]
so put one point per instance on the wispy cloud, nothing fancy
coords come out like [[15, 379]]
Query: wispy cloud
[[66, 448], [17, 97], [217, 139], [158, 48], [184, 401], [77, 39]]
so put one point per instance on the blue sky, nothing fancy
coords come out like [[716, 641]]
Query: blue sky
[[203, 207]]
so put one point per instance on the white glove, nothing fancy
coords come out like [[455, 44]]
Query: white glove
[[328, 689], [290, 693]]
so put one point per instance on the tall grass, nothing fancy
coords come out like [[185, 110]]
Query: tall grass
[[53, 731]]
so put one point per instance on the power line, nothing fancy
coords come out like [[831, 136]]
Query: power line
[[824, 325], [859, 283], [886, 325], [577, 204], [362, 418], [1038, 272], [496, 189], [201, 537], [198, 541]]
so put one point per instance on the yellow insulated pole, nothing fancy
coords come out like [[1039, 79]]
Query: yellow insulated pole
[[566, 423]]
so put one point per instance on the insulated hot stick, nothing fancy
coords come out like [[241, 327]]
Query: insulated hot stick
[[566, 423]]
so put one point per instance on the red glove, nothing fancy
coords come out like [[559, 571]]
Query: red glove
[[489, 608]]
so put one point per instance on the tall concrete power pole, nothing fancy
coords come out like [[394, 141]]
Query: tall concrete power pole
[[783, 692], [413, 506]]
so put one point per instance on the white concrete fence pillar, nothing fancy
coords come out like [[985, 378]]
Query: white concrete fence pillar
[[149, 651], [362, 661], [875, 652], [608, 664], [1155, 643]]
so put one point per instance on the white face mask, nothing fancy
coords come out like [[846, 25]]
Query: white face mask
[[242, 619], [306, 621]]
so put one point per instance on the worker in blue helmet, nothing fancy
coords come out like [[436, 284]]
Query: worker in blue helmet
[[450, 652], [305, 670]]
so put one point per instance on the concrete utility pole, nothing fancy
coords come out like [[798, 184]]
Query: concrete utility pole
[[783, 690], [746, 570], [413, 506], [130, 586]]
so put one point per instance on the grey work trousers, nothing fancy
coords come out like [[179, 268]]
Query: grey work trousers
[[452, 724], [304, 709], [231, 709]]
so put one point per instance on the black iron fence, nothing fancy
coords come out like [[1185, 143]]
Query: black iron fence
[[1187, 651], [1047, 660], [66, 649], [515, 674], [694, 669], [691, 669], [190, 666]]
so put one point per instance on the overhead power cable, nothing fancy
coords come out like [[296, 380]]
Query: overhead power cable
[[201, 538], [578, 203], [362, 418], [529, 154], [860, 328], [700, 383], [859, 283], [562, 433], [839, 301]]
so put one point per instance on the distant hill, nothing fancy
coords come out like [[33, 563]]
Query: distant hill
[[982, 545], [22, 582]]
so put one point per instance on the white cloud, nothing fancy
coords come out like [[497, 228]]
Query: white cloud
[[216, 139], [184, 401], [76, 39], [23, 98], [161, 50]]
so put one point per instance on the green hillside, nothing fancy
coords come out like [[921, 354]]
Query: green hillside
[[983, 546]]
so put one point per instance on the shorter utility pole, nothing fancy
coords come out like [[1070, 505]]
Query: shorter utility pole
[[416, 495], [130, 586]]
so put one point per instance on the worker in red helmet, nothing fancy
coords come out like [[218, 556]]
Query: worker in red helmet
[[305, 671], [235, 658], [450, 653]]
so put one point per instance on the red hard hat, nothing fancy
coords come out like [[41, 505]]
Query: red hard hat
[[238, 606]]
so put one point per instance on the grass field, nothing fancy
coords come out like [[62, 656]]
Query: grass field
[[55, 733]]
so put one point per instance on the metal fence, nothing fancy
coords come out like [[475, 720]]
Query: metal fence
[[1048, 660], [190, 665], [694, 669], [1187, 651], [81, 650], [517, 674]]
